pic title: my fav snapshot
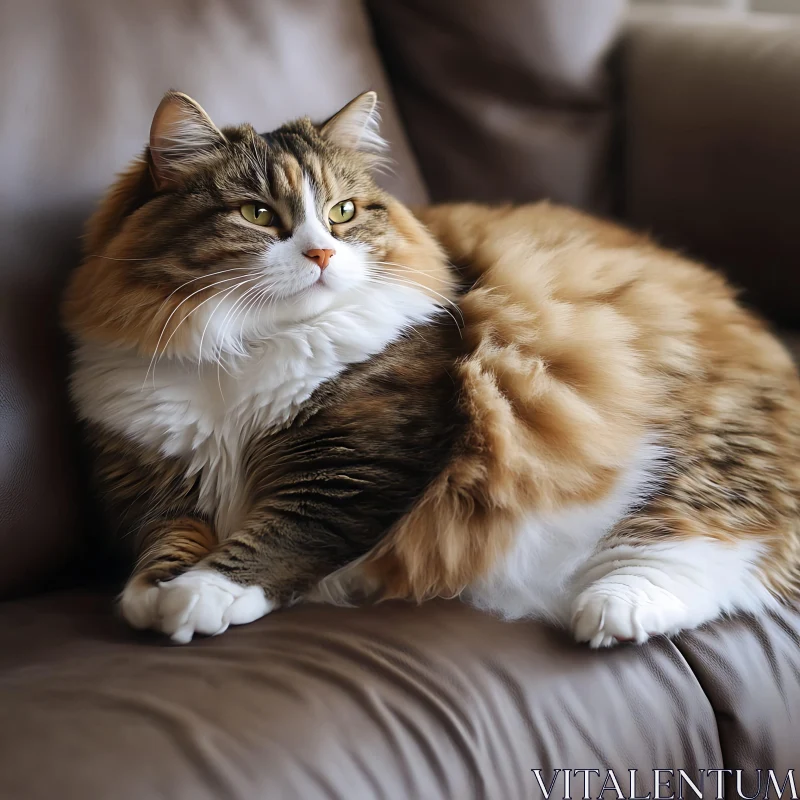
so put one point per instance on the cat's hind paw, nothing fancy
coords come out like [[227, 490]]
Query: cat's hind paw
[[625, 608]]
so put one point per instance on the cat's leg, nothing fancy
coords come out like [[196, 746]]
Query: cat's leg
[[324, 492], [633, 592], [719, 534], [167, 549], [247, 576]]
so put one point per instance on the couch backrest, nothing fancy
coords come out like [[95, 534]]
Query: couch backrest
[[712, 144], [508, 100], [683, 122], [79, 82]]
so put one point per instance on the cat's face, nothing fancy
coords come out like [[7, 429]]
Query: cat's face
[[245, 233]]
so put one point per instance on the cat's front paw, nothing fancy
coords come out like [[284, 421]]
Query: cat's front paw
[[204, 601], [625, 608], [139, 603], [198, 601]]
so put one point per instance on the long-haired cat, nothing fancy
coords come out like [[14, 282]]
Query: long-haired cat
[[296, 388]]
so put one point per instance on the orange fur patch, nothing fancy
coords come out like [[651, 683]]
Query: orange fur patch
[[583, 338], [102, 302], [414, 257]]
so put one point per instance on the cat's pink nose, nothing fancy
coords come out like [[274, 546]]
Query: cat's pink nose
[[321, 256]]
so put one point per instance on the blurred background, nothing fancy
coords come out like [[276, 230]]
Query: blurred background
[[778, 6]]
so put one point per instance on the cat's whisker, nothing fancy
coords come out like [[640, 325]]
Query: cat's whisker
[[224, 326], [458, 323], [158, 356], [247, 308], [443, 308], [390, 273], [201, 277], [202, 337], [427, 274], [264, 298], [408, 282], [393, 276], [211, 275], [254, 291], [221, 348], [241, 314], [267, 298], [211, 286], [114, 258], [200, 305], [233, 313], [154, 359], [258, 291]]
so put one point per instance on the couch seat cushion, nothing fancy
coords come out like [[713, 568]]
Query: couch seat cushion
[[437, 701]]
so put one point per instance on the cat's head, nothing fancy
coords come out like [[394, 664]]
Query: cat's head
[[217, 235]]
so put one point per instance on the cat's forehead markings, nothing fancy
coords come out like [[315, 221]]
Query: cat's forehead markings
[[312, 166], [284, 181], [293, 173], [330, 182], [311, 199], [277, 179]]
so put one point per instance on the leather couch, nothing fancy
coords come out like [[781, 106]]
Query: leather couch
[[685, 125]]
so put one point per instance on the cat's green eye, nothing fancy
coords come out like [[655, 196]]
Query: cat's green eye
[[259, 214], [342, 212]]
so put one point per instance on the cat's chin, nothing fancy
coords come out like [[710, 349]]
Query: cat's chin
[[319, 296], [305, 304], [321, 287]]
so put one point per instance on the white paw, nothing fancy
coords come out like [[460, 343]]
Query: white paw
[[199, 601], [626, 608]]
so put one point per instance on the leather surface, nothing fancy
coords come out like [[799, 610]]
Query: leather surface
[[712, 126], [750, 672], [508, 104], [79, 83], [398, 701]]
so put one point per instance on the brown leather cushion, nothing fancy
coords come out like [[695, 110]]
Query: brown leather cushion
[[81, 81], [508, 100], [750, 672], [712, 145], [437, 701]]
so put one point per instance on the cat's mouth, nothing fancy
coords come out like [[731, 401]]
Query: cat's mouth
[[317, 285], [320, 282]]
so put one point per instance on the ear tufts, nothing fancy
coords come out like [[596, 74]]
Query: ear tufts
[[182, 135], [356, 126]]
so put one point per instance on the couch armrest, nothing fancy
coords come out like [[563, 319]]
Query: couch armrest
[[712, 144]]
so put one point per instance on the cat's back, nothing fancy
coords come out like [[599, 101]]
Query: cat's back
[[607, 336], [567, 267], [588, 348], [552, 252]]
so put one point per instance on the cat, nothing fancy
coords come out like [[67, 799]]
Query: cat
[[295, 388]]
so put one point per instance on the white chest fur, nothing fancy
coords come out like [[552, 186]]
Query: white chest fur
[[207, 414]]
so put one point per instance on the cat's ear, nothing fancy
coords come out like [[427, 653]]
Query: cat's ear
[[181, 136], [356, 126]]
